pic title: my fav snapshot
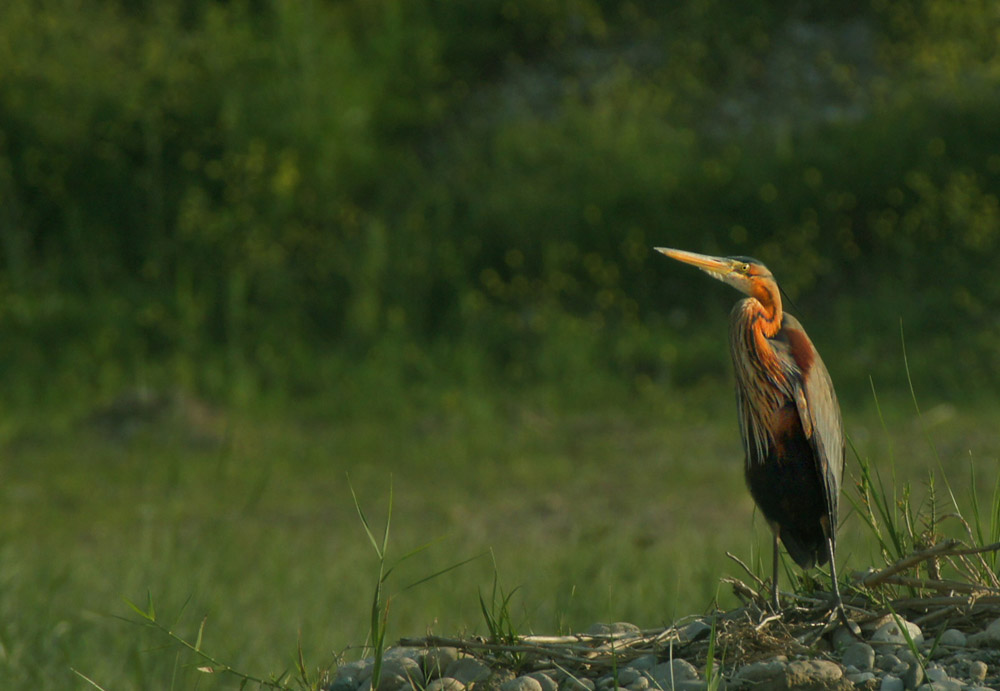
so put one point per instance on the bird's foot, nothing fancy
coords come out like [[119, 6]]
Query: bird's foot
[[838, 616]]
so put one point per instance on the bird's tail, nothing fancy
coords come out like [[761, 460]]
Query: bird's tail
[[805, 553]]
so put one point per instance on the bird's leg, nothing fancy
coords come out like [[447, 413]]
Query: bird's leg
[[775, 605], [838, 602]]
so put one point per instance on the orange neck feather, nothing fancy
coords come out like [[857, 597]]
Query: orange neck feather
[[768, 307]]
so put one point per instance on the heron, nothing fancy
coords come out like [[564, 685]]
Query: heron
[[790, 422]]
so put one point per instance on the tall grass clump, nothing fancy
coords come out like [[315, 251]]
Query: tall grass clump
[[939, 553]]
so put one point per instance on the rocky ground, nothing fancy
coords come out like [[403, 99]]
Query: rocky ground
[[741, 652]]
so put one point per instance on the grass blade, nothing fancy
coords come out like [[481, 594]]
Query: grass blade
[[87, 679], [364, 521]]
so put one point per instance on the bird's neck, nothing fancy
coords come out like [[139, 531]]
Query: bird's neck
[[765, 308], [756, 321]]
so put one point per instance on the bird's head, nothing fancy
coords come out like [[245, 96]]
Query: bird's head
[[746, 274]]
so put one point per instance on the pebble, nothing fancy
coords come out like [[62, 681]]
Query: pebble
[[890, 632], [977, 669], [859, 655], [953, 637], [643, 662], [640, 684], [521, 684], [805, 673], [906, 656], [436, 661], [343, 683], [883, 662], [935, 674], [913, 676], [627, 676], [668, 674], [886, 662], [354, 669], [764, 670], [691, 685], [842, 638], [405, 667], [576, 684], [617, 628], [695, 630], [946, 685], [387, 682], [859, 678], [467, 670], [891, 683], [445, 684], [545, 681], [988, 638]]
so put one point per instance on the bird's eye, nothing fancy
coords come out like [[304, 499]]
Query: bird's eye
[[746, 268]]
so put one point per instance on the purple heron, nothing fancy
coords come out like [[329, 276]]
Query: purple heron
[[789, 417]]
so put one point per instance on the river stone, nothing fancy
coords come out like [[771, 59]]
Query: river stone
[[642, 662], [935, 674], [626, 676], [763, 671], [640, 684], [886, 662], [388, 681], [343, 683], [576, 684], [405, 666], [860, 678], [913, 676], [467, 670], [891, 633], [900, 669], [989, 638], [521, 684], [545, 681], [891, 683], [859, 655], [692, 685], [842, 638], [445, 684], [404, 652], [822, 674], [492, 683], [617, 628], [436, 661], [693, 631], [667, 674], [977, 670], [954, 637], [947, 685], [355, 669]]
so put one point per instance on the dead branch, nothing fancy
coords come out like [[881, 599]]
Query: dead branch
[[908, 562]]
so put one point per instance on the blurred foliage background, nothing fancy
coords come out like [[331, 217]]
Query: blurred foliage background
[[258, 196]]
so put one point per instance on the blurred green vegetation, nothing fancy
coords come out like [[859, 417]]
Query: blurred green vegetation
[[247, 526], [250, 197]]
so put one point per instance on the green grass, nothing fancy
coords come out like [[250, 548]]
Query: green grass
[[614, 510]]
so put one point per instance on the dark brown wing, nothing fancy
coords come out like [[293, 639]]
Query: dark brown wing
[[819, 412]]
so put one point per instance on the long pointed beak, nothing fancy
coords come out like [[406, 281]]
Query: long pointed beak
[[718, 267]]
